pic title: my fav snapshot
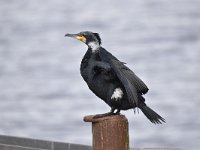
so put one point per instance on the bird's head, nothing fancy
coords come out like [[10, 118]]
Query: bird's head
[[92, 40]]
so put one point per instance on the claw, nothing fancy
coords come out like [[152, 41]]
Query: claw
[[103, 115], [107, 114]]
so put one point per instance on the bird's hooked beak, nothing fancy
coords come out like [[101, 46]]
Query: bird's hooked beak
[[76, 36]]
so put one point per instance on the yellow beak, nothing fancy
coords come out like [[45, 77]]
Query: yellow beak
[[81, 38], [78, 37]]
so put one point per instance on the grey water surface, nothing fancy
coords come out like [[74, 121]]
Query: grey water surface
[[42, 94]]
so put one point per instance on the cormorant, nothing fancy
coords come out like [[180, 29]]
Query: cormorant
[[111, 80]]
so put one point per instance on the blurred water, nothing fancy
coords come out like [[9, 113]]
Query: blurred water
[[43, 95]]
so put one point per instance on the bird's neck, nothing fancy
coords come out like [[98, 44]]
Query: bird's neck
[[94, 46]]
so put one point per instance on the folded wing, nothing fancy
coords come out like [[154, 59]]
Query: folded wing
[[132, 84]]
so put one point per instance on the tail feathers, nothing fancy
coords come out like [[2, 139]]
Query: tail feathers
[[152, 115]]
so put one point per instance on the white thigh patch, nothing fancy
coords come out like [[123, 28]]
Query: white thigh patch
[[117, 94]]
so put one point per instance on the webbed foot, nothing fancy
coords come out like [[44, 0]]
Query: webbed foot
[[107, 114], [103, 115]]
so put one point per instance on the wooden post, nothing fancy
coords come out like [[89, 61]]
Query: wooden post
[[109, 133]]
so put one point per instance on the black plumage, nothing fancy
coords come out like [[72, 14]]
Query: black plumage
[[111, 80]]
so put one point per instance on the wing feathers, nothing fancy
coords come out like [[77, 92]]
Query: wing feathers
[[130, 75], [130, 89], [132, 84]]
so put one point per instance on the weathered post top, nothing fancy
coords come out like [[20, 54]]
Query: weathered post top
[[109, 133]]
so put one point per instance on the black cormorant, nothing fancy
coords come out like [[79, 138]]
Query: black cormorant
[[111, 80]]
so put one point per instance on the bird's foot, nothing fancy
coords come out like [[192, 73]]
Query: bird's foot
[[105, 115]]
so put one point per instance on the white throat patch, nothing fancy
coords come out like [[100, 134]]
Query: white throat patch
[[94, 46]]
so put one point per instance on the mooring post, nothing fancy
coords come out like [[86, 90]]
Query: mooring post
[[109, 133]]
